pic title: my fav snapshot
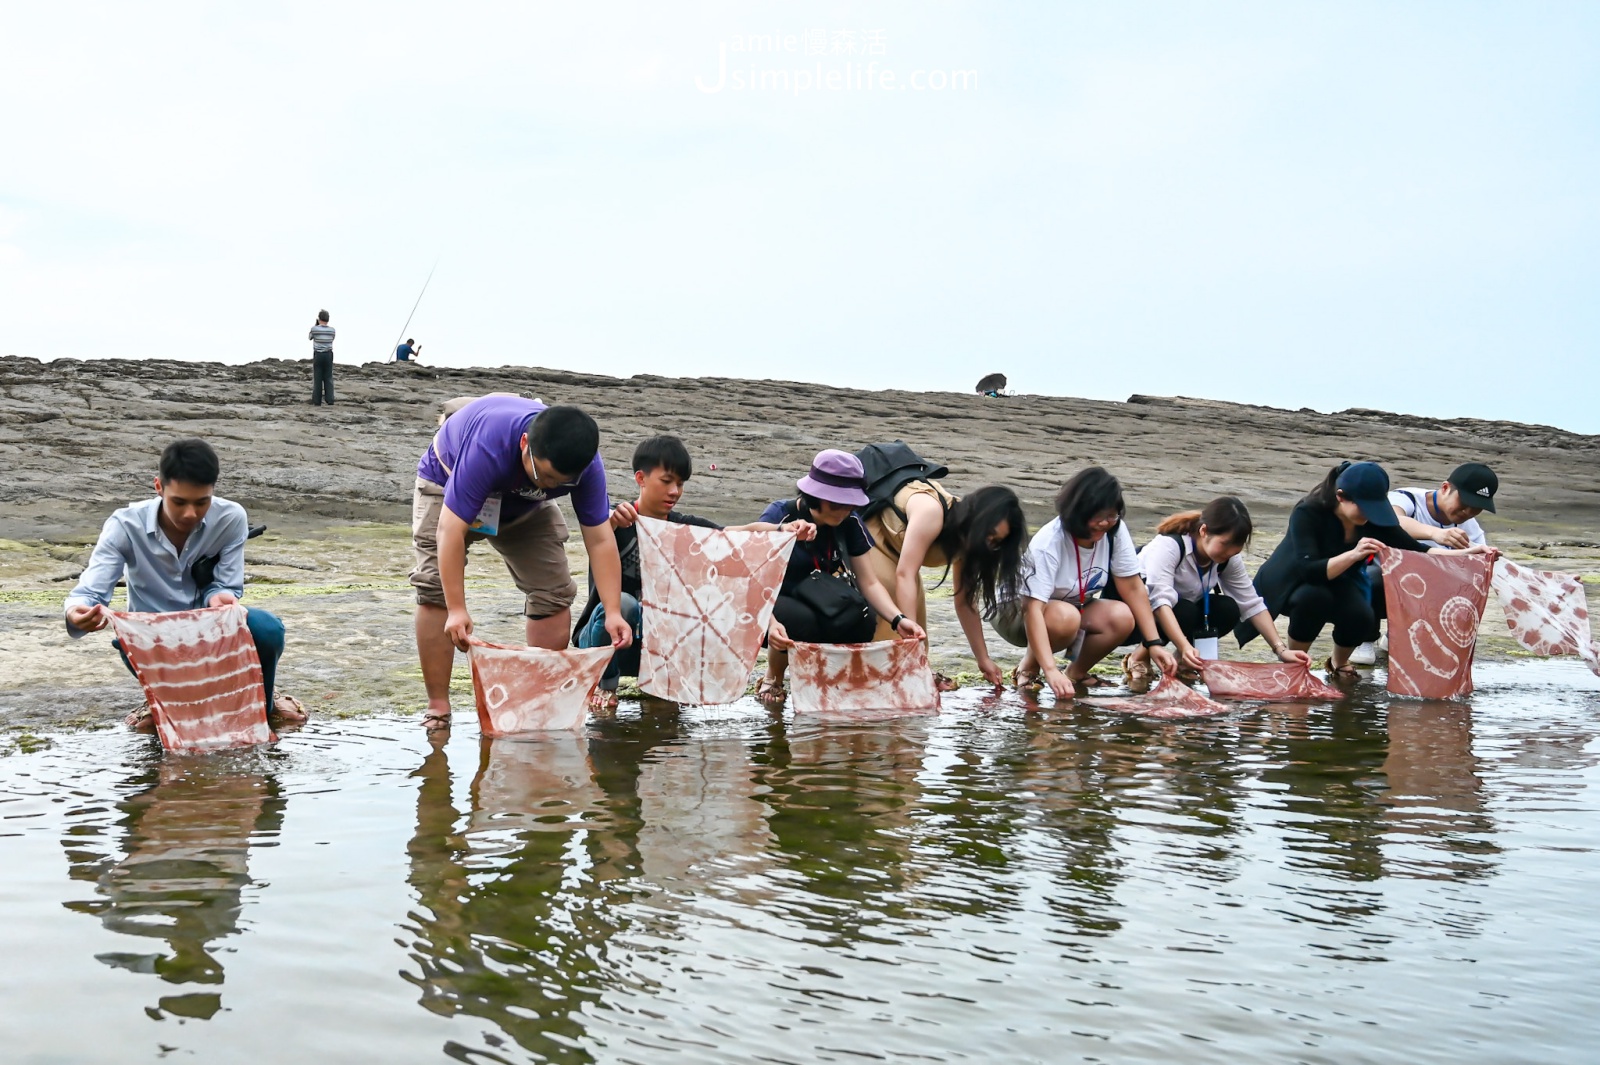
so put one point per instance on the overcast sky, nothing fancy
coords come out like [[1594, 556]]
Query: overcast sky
[[1380, 205]]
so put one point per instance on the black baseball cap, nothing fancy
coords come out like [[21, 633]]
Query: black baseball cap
[[1367, 486], [1477, 485]]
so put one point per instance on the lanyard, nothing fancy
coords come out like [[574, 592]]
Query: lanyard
[[1433, 505], [1205, 588]]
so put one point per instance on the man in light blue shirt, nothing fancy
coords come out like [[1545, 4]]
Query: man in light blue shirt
[[182, 550]]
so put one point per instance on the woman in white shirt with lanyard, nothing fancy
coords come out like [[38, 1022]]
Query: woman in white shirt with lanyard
[[1199, 588], [1070, 561]]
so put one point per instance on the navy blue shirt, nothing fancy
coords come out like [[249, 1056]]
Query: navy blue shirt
[[404, 352], [828, 552]]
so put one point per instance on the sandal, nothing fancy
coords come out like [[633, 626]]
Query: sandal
[[1135, 670], [603, 699], [942, 683], [1025, 680], [140, 720], [1346, 673], [434, 724], [770, 691], [287, 710]]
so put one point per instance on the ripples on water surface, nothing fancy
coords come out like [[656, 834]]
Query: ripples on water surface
[[1374, 882]]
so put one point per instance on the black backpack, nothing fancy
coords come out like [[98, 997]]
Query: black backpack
[[889, 468], [1183, 551]]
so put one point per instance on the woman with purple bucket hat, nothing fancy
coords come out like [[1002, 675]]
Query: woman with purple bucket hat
[[829, 593]]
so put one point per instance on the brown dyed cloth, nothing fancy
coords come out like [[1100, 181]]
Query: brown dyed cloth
[[201, 676], [1169, 699], [887, 675], [1435, 604], [1271, 682], [531, 689], [1547, 612]]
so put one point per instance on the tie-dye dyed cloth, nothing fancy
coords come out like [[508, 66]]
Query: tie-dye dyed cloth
[[1547, 612], [887, 675], [1435, 605], [1168, 699], [707, 597], [1272, 682], [530, 689], [201, 676]]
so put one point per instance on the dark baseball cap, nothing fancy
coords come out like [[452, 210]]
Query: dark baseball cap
[[1477, 485], [1366, 485]]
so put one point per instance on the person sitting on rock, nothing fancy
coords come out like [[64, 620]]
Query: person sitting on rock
[[661, 469], [181, 550], [1084, 549]]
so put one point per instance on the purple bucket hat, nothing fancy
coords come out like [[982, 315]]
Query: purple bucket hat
[[837, 477]]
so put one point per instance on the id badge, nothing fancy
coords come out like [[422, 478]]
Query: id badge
[[488, 520]]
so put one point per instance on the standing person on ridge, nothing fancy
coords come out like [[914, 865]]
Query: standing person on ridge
[[494, 471], [321, 360]]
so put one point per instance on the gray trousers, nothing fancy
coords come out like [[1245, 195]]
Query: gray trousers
[[321, 377]]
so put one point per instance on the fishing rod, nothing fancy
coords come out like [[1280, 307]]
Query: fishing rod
[[396, 345]]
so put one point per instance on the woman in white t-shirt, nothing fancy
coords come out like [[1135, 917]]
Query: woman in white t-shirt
[[1198, 586], [1070, 561]]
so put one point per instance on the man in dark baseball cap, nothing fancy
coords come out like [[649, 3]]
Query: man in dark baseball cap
[[1447, 515]]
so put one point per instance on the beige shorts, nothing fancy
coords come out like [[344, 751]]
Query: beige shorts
[[531, 545], [1010, 623]]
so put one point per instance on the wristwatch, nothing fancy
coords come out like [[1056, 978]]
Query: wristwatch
[[895, 622]]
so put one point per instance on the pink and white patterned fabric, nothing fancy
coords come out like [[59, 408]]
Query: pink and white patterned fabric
[[707, 599], [531, 689], [201, 676], [1547, 612], [1168, 699], [887, 675], [1271, 682], [1435, 604]]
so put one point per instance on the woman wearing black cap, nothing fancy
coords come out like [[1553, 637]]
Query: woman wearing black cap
[[1317, 575]]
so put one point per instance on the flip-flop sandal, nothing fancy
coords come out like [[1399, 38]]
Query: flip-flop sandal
[[287, 710], [140, 720], [434, 724]]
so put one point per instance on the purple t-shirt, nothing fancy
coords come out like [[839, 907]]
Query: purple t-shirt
[[482, 446]]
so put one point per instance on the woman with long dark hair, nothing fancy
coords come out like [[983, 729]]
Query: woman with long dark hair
[[829, 593], [1317, 573], [978, 537], [1198, 585], [1083, 550]]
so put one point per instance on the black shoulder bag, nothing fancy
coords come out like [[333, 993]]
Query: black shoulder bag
[[833, 597]]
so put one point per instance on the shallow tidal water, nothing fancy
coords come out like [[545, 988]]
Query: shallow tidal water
[[1377, 881]]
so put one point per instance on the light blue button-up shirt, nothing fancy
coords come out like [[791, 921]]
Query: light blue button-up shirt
[[161, 578]]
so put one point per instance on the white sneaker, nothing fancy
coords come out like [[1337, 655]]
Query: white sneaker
[[1365, 655], [1383, 645]]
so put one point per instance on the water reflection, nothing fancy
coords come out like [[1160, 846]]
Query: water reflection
[[839, 801], [177, 869]]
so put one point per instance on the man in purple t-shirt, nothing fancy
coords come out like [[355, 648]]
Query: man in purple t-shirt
[[493, 472]]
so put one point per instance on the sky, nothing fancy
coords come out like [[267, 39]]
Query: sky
[[1300, 205]]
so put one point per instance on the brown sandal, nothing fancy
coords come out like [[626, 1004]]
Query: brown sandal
[[943, 683], [287, 710], [434, 724], [603, 699], [771, 691], [1346, 673], [141, 720]]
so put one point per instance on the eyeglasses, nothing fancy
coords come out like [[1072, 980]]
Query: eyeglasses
[[527, 453]]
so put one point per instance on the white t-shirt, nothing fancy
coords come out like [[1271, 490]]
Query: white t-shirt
[[1055, 563], [1413, 503]]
